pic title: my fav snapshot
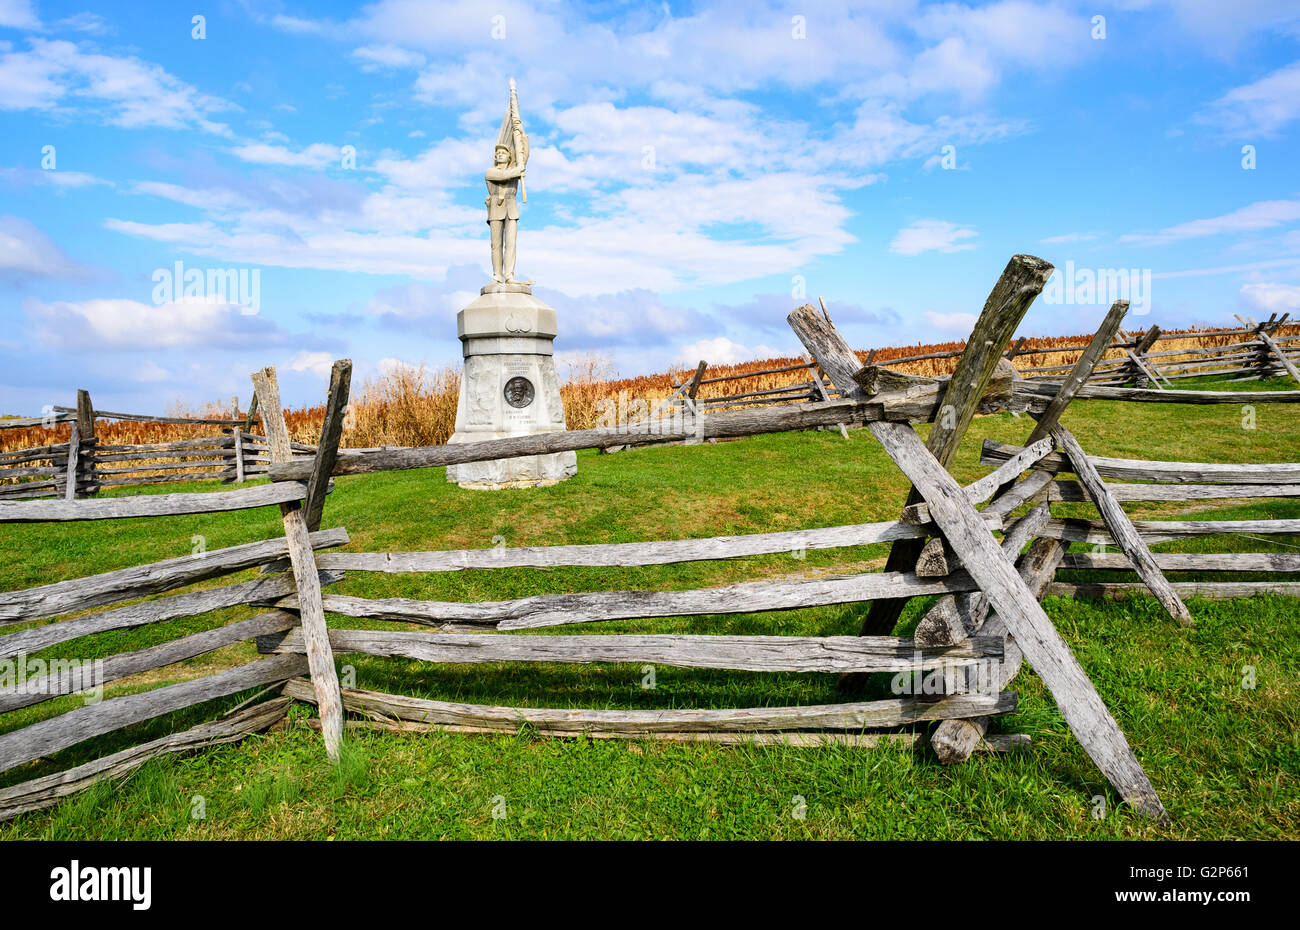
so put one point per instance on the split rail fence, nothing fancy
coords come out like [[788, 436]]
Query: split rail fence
[[53, 470], [1264, 351], [985, 625]]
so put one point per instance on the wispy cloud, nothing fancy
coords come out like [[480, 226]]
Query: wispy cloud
[[1263, 214], [932, 236], [129, 92], [1070, 238], [26, 252], [722, 351], [316, 155], [950, 322], [1260, 109]]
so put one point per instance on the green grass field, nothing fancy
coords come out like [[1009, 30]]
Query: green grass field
[[1223, 757]]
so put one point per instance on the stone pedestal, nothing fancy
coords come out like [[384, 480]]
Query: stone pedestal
[[509, 388]]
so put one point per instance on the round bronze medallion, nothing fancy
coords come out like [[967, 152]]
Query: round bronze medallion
[[519, 392]]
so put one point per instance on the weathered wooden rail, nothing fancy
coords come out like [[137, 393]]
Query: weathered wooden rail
[[1165, 481]]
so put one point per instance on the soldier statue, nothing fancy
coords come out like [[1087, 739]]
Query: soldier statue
[[504, 178]]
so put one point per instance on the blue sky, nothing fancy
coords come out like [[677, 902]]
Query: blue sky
[[694, 166]]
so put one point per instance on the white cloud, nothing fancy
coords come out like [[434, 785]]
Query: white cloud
[[887, 50], [25, 251], [734, 191], [150, 372], [1070, 238], [91, 23], [64, 180], [18, 14], [1258, 110], [301, 26], [215, 200], [1272, 265], [952, 65], [951, 322], [318, 363], [60, 75], [391, 366], [880, 134], [1263, 214], [1220, 28], [128, 325], [316, 155], [1272, 298], [722, 351], [377, 57], [724, 204], [932, 236], [1012, 32]]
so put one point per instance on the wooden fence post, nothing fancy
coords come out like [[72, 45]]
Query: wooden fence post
[[694, 387], [239, 455], [74, 447], [252, 414], [86, 430], [327, 447], [320, 657]]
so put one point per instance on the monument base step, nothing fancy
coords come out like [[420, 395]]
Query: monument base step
[[526, 471]]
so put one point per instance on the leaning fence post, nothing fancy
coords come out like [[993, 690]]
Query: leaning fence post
[[694, 387], [320, 657], [1081, 372], [1121, 528], [1021, 281], [327, 447], [252, 414], [1276, 349]]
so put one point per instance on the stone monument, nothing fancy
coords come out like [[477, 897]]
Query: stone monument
[[509, 386]]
